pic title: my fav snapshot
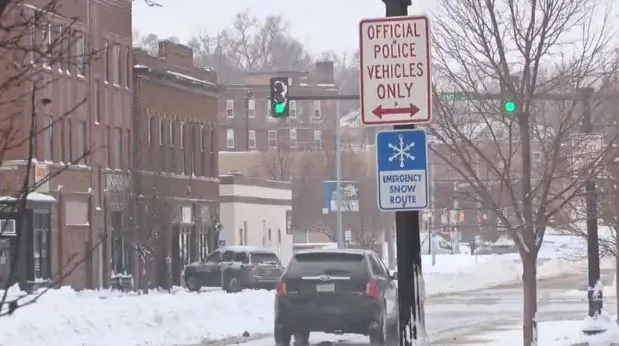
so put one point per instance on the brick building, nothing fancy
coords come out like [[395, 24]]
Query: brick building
[[81, 109], [246, 124], [175, 175]]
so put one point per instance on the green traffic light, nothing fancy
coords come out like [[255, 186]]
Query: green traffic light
[[280, 107], [509, 106]]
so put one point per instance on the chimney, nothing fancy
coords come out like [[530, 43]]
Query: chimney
[[324, 72], [176, 54]]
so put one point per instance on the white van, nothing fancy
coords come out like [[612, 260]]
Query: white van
[[440, 245]]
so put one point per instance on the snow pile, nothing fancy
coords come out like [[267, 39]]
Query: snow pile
[[554, 333], [93, 318], [457, 273]]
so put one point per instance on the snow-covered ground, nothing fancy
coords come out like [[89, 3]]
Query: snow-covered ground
[[554, 333], [93, 318]]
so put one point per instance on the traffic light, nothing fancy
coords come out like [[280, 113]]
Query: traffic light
[[279, 97], [509, 107]]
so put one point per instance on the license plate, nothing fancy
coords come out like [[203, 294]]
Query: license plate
[[325, 287]]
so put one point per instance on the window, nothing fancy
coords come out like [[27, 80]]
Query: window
[[70, 153], [377, 268], [41, 246], [203, 244], [172, 134], [230, 138], [107, 60], [268, 108], [116, 64], [537, 156], [293, 138], [241, 257], [97, 100], [59, 43], [293, 109], [128, 68], [46, 43], [251, 108], [81, 142], [182, 134], [316, 113], [227, 256], [202, 138], [272, 136], [108, 138], [318, 138], [161, 132], [230, 108], [241, 237], [251, 138], [149, 135], [279, 236], [7, 227], [214, 257], [80, 53], [48, 139], [119, 148]]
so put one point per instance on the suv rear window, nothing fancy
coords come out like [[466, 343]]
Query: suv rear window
[[263, 257], [326, 263]]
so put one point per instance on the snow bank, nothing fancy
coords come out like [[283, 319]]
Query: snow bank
[[553, 333], [93, 318]]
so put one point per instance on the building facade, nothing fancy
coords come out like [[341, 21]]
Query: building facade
[[254, 212], [175, 176], [81, 57]]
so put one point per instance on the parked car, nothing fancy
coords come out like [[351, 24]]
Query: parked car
[[234, 268], [336, 291], [496, 249]]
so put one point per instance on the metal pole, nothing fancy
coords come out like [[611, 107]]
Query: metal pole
[[410, 277], [593, 251], [338, 174]]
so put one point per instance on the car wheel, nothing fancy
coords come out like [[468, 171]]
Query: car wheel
[[301, 339], [378, 334], [233, 285], [193, 284], [282, 337]]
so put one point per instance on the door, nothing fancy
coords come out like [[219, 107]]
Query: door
[[210, 271], [386, 284], [227, 261]]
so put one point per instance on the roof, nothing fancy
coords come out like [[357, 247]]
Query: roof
[[247, 248], [344, 251], [177, 77]]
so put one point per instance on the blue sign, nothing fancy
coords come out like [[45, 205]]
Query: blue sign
[[349, 196], [402, 164]]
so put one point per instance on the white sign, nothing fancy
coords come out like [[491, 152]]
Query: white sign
[[395, 67], [402, 163], [585, 149]]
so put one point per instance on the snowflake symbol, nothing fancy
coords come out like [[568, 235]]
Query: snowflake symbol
[[401, 151]]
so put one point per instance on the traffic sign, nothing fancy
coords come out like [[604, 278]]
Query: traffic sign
[[395, 71], [402, 163]]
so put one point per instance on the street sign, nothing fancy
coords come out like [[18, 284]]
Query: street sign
[[395, 72], [349, 196], [402, 163]]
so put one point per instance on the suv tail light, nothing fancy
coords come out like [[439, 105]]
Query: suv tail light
[[371, 289], [281, 289]]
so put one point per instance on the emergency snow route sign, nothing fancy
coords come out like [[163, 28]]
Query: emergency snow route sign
[[395, 81], [402, 163]]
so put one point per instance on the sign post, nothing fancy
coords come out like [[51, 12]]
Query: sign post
[[395, 88]]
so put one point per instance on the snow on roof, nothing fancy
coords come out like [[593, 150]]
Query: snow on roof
[[190, 78], [32, 196]]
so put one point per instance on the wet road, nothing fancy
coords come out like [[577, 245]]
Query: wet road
[[455, 319]]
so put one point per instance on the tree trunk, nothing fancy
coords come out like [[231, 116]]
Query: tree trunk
[[529, 280]]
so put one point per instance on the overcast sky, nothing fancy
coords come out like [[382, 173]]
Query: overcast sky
[[322, 25]]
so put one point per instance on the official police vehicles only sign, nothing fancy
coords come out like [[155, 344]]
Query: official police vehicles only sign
[[402, 162]]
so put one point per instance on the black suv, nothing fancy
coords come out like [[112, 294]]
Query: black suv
[[234, 268], [336, 291]]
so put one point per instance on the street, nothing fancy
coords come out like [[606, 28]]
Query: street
[[456, 319]]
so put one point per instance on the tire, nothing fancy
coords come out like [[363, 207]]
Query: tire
[[282, 337], [378, 336], [301, 339], [233, 285], [193, 284]]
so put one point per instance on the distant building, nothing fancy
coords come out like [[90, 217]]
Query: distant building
[[175, 174]]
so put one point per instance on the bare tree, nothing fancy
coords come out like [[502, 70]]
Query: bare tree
[[277, 164], [479, 46]]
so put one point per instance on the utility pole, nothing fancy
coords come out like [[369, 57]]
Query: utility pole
[[411, 314], [339, 232], [594, 296]]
